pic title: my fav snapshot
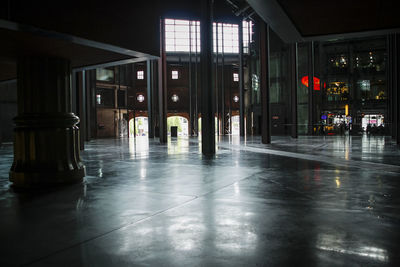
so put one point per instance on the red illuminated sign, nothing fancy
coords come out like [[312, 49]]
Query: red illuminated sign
[[317, 83]]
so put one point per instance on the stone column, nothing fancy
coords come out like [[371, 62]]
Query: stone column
[[46, 145]]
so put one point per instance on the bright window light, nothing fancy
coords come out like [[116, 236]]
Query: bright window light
[[175, 75], [235, 77], [228, 38], [184, 36], [247, 35], [140, 75]]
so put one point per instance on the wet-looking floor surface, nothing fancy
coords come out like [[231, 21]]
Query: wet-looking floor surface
[[314, 201]]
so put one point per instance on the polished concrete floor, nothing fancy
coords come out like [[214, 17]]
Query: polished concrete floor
[[314, 201]]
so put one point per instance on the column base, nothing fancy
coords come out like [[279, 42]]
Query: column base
[[42, 179], [46, 151]]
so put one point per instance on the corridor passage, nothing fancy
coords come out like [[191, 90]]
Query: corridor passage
[[314, 201]]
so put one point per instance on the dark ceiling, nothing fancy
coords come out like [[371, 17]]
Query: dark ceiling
[[89, 32], [133, 26], [30, 44], [316, 17]]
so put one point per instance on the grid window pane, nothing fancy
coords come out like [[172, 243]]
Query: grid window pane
[[184, 36], [140, 75], [175, 75]]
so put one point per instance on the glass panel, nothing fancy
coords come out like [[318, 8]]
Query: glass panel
[[106, 75], [302, 89]]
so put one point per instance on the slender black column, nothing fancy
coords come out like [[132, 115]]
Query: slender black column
[[81, 105], [311, 88], [162, 86], [249, 92], [46, 146], [207, 85], [92, 104], [397, 86], [223, 111], [241, 82], [265, 83], [155, 85], [393, 83], [293, 89], [87, 105], [389, 116], [196, 86], [190, 82], [149, 98], [216, 78]]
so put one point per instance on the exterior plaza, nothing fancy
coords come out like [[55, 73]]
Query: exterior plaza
[[199, 133]]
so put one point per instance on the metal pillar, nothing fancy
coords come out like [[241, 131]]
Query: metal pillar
[[162, 85], [293, 89], [241, 82], [223, 83], [81, 106], [154, 96], [393, 84], [207, 85], [118, 104], [311, 75], [196, 87], [46, 147], [190, 82], [88, 105], [265, 83], [389, 116], [396, 86], [216, 78], [149, 98], [92, 115]]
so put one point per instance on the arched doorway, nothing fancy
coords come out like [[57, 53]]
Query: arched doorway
[[180, 122], [235, 125], [140, 127]]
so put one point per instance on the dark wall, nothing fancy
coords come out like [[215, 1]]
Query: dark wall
[[8, 110]]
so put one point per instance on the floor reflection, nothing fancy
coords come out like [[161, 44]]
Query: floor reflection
[[152, 204], [138, 146], [338, 244]]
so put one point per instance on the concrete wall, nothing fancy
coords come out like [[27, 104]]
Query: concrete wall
[[8, 110]]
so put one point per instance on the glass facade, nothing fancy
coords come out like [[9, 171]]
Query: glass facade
[[353, 86], [279, 86], [302, 88]]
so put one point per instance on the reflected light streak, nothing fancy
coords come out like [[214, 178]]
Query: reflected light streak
[[236, 187], [337, 182], [184, 234], [143, 173], [235, 235], [371, 252], [336, 243], [347, 154]]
